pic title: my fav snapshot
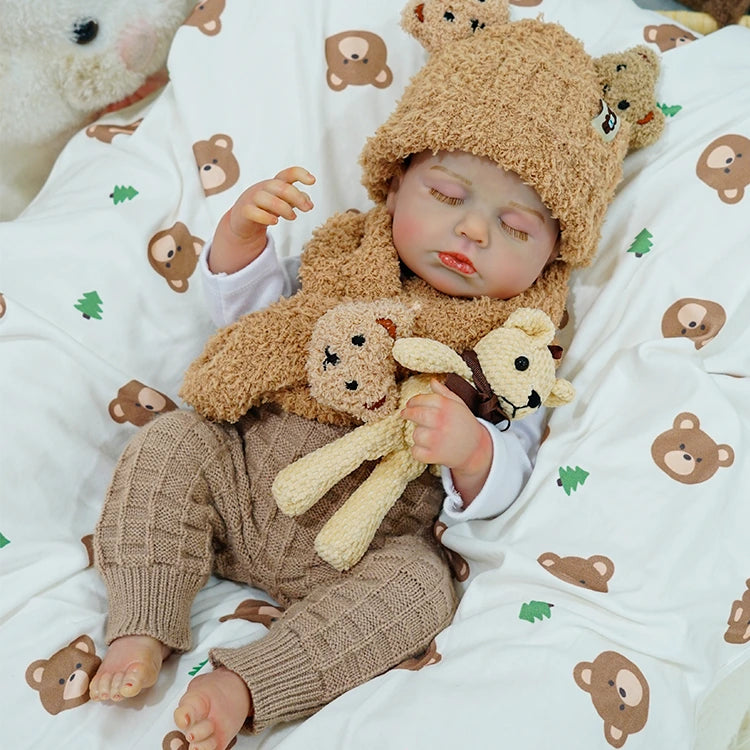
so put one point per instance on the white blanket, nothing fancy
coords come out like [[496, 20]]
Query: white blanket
[[640, 489]]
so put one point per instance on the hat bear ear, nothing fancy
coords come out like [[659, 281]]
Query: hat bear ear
[[629, 80], [434, 23]]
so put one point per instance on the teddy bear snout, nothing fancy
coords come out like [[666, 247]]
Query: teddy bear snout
[[137, 47]]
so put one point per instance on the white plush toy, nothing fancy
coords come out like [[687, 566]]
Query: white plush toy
[[61, 63]]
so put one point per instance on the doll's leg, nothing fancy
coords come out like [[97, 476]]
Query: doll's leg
[[154, 542], [386, 609]]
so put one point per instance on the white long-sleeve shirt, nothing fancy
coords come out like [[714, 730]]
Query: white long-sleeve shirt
[[268, 277]]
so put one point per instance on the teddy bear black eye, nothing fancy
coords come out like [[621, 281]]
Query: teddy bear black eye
[[521, 364], [358, 340], [352, 385], [621, 67], [85, 31], [448, 16]]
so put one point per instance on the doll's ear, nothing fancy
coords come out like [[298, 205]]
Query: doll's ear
[[395, 184]]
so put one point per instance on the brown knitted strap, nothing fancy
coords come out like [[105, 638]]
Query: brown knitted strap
[[480, 398]]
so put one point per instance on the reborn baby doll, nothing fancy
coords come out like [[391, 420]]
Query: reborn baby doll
[[502, 135]]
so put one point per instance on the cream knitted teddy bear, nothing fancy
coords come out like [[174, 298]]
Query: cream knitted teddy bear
[[512, 367]]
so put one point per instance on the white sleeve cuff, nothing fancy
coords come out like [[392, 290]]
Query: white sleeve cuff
[[513, 455], [229, 296]]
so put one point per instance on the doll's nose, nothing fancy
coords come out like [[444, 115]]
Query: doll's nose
[[474, 227]]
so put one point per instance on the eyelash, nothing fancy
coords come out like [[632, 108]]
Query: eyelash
[[515, 233], [446, 198], [451, 201]]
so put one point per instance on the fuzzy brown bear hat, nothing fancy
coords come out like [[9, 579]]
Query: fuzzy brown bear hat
[[524, 94]]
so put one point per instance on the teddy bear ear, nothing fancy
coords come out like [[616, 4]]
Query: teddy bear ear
[[628, 80], [435, 23], [395, 317], [536, 324], [562, 393], [428, 355]]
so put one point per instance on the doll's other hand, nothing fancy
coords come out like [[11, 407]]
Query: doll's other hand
[[447, 433], [241, 235]]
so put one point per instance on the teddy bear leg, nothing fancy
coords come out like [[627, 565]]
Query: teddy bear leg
[[348, 533], [300, 485]]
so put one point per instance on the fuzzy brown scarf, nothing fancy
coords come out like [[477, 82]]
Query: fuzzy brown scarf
[[261, 357]]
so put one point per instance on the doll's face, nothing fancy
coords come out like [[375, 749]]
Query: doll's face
[[469, 228]]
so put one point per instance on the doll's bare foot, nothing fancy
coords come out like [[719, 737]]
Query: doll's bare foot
[[131, 664], [213, 709]]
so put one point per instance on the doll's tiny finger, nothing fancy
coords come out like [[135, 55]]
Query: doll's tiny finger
[[296, 174], [293, 196], [259, 216], [275, 205]]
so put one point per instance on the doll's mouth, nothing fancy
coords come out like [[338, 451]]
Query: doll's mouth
[[376, 405], [457, 262]]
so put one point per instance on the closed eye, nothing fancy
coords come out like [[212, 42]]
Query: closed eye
[[443, 198], [513, 232]]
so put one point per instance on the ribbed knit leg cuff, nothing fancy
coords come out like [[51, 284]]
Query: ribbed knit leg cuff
[[283, 682], [152, 601]]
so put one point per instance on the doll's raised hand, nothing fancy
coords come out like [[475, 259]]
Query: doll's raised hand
[[241, 235]]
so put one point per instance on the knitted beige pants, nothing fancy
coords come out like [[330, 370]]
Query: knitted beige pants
[[191, 497]]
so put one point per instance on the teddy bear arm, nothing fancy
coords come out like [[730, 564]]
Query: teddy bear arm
[[300, 485], [247, 362], [348, 533]]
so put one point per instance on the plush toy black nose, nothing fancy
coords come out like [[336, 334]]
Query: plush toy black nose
[[85, 31], [534, 400], [331, 359], [623, 105]]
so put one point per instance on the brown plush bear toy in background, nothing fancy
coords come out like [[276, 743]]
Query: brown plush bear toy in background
[[725, 12]]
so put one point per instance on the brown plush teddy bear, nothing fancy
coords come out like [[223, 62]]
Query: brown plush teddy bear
[[725, 12]]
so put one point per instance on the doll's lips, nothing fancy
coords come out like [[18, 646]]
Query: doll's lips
[[457, 262], [376, 405]]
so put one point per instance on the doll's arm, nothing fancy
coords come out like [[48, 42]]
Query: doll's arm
[[241, 234]]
